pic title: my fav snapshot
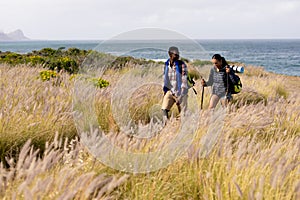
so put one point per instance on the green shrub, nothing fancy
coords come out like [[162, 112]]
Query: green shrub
[[11, 58], [52, 59], [99, 82], [35, 60], [64, 63], [201, 62], [46, 75], [47, 52]]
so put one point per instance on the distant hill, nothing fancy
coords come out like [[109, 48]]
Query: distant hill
[[16, 35]]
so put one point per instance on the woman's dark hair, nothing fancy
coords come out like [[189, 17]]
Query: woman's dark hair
[[220, 58]]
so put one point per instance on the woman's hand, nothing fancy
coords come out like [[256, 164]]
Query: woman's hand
[[203, 83], [227, 69]]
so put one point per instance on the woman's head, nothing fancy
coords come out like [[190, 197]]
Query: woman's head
[[218, 61]]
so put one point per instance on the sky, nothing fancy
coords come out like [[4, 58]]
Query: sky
[[197, 19]]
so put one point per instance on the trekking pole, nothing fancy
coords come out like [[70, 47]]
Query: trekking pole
[[227, 84], [227, 87], [195, 91], [192, 82], [202, 96]]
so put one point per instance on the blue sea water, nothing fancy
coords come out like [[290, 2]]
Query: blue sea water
[[278, 56]]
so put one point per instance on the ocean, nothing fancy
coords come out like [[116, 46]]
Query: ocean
[[278, 56]]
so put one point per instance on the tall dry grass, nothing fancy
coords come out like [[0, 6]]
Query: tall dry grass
[[63, 172], [33, 109], [255, 157]]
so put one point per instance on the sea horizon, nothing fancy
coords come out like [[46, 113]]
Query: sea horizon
[[280, 56]]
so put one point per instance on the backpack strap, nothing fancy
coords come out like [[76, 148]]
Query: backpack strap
[[231, 80], [180, 63], [179, 70]]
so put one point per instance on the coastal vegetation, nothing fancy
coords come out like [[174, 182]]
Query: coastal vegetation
[[256, 155]]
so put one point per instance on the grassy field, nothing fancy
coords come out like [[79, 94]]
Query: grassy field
[[256, 155]]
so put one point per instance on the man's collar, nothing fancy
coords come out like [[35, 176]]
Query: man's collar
[[169, 62]]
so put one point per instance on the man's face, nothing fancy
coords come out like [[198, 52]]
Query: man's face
[[174, 55]]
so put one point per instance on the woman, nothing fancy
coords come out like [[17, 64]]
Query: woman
[[219, 78]]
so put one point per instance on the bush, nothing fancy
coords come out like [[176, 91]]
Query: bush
[[201, 62], [51, 59], [99, 82], [46, 75], [35, 60], [11, 58], [47, 52], [65, 63]]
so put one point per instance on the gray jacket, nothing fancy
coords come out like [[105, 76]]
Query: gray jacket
[[217, 79]]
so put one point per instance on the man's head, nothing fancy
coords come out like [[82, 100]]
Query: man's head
[[174, 53]]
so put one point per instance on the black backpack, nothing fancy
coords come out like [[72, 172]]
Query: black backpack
[[233, 86]]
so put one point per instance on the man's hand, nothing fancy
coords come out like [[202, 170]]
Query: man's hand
[[179, 100]]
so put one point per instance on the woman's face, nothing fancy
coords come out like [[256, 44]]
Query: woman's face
[[217, 63]]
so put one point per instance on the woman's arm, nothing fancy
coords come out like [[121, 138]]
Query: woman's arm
[[211, 78]]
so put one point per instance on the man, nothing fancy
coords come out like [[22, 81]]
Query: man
[[175, 83]]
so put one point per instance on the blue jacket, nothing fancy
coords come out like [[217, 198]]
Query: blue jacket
[[167, 83]]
